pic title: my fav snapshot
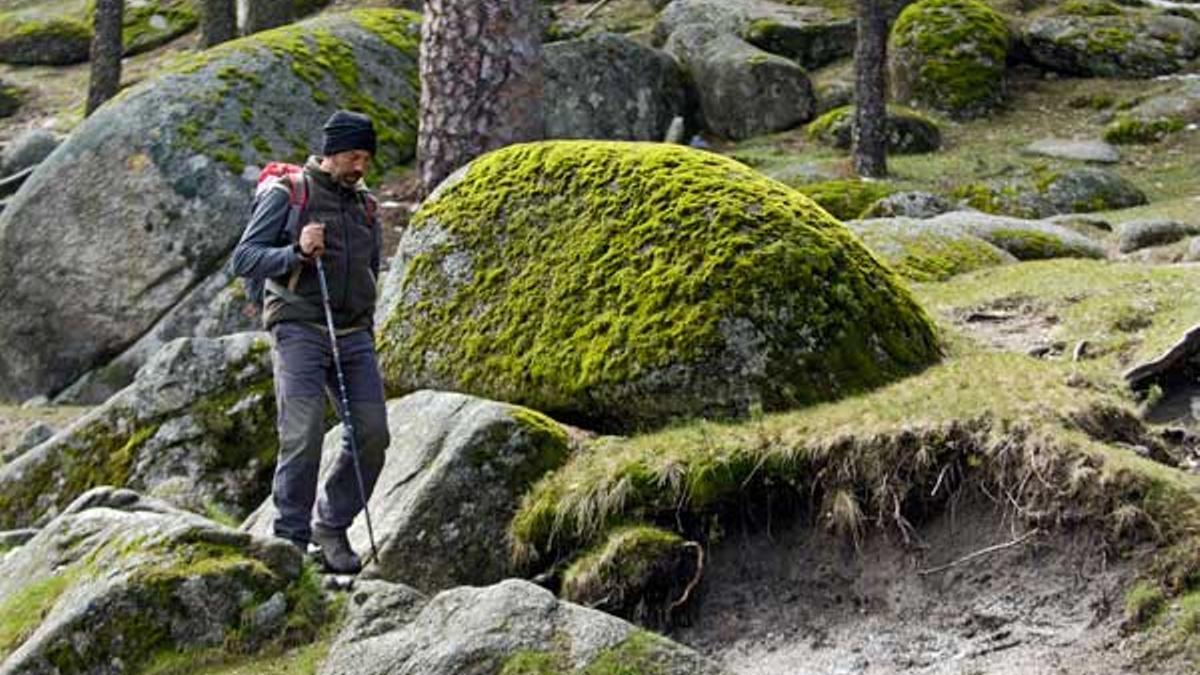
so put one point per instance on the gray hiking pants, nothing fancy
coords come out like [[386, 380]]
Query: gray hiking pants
[[304, 376]]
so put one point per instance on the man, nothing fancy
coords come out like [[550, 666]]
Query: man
[[339, 229]]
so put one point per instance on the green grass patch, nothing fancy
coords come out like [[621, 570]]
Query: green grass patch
[[22, 612]]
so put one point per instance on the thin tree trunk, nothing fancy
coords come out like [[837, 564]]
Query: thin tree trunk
[[105, 53], [481, 82], [870, 75], [267, 14], [218, 22]]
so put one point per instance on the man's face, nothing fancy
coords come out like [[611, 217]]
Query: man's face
[[349, 167]]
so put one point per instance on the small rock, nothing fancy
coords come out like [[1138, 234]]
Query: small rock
[[1140, 234], [37, 433], [267, 618], [28, 149], [15, 538], [1079, 150], [36, 402]]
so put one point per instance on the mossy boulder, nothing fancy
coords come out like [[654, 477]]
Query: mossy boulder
[[187, 144], [1024, 239], [639, 573], [908, 131], [908, 204], [59, 32], [812, 36], [923, 251], [453, 478], [196, 428], [118, 578], [742, 90], [1163, 113], [622, 285], [949, 55], [610, 87], [1132, 43], [845, 199], [511, 628], [1046, 193]]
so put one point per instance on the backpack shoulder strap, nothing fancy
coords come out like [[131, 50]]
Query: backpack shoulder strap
[[298, 190]]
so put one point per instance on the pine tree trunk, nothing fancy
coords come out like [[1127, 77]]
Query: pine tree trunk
[[218, 22], [481, 81], [105, 53], [870, 75], [266, 14]]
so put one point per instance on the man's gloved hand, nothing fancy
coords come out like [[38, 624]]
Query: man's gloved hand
[[312, 240]]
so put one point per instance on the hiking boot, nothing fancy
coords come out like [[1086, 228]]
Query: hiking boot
[[335, 552]]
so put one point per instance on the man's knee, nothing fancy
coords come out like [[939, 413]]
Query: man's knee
[[301, 427], [370, 421]]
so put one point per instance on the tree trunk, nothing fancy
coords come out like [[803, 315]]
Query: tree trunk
[[266, 14], [218, 22], [105, 53], [870, 92], [481, 82]]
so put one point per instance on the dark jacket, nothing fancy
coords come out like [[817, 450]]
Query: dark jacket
[[351, 260]]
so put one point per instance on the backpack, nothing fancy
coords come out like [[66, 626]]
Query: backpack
[[283, 176]]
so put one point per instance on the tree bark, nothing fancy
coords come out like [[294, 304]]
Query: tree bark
[[266, 14], [106, 54], [218, 22], [870, 79], [481, 82]]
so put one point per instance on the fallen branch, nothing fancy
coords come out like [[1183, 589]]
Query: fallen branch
[[594, 8], [687, 592], [980, 553]]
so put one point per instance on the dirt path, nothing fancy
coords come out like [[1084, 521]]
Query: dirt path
[[800, 603]]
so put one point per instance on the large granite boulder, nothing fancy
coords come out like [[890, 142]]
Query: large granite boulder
[[624, 285], [131, 243], [949, 55], [453, 478], [608, 86], [742, 90], [908, 131], [924, 251], [1049, 193], [513, 627], [196, 428], [812, 36], [1161, 113], [117, 579], [1101, 39]]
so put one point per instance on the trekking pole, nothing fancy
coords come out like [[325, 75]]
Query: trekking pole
[[347, 424]]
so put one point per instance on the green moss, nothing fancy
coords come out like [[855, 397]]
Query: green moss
[[951, 77], [628, 573], [823, 126], [979, 196], [1108, 40], [139, 35], [1127, 129], [927, 257], [22, 613], [595, 264], [846, 199], [1143, 602], [529, 662], [1090, 8], [642, 653], [1030, 244]]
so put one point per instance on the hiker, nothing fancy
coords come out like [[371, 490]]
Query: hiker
[[328, 196]]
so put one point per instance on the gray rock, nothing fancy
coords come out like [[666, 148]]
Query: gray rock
[[1079, 190], [196, 427], [10, 539], [179, 202], [743, 91], [1177, 359], [1079, 150], [216, 307], [10, 184], [28, 149], [833, 94], [37, 433], [810, 36], [40, 37], [1160, 114], [1134, 43], [908, 132], [925, 250], [1193, 252], [513, 626], [1024, 239], [454, 475], [911, 204], [117, 578], [1140, 234], [260, 15], [608, 86], [10, 99]]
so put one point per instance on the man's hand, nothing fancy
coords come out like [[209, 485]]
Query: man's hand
[[312, 240]]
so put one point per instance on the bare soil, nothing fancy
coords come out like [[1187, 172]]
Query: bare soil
[[802, 602]]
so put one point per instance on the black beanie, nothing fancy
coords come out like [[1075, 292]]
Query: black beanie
[[347, 130]]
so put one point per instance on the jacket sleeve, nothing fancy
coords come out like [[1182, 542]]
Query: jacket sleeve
[[259, 254], [376, 251]]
